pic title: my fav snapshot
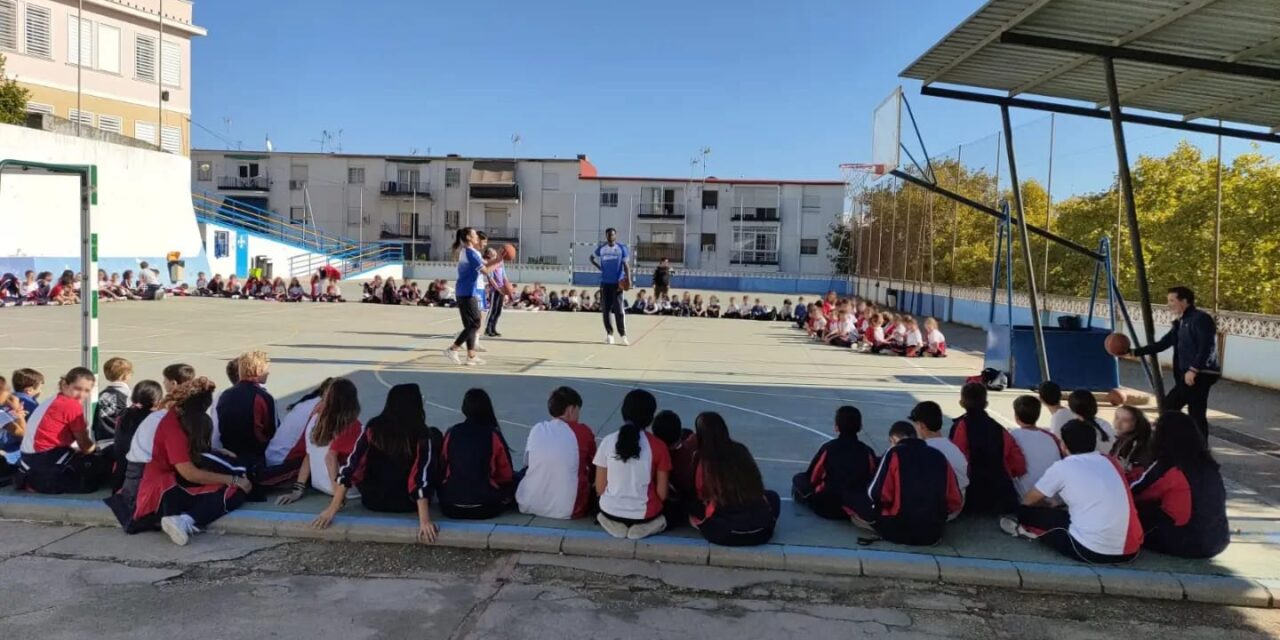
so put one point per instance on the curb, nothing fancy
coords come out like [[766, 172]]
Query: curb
[[1032, 576]]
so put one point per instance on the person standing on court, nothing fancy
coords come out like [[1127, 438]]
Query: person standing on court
[[497, 292], [662, 279], [1194, 338], [471, 268], [611, 259]]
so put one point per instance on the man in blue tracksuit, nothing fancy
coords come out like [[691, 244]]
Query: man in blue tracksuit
[[1194, 338], [611, 259]]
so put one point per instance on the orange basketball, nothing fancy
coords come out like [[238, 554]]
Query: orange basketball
[[1116, 397], [509, 252], [1117, 344]]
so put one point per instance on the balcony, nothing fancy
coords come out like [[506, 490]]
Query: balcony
[[756, 214], [251, 183], [660, 211], [656, 251], [763, 258], [393, 188], [504, 234], [500, 192], [396, 232]]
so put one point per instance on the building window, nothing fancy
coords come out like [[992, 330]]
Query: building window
[[79, 41], [204, 171], [811, 204], [709, 241], [297, 177], [145, 131], [248, 170], [609, 197], [451, 220], [112, 124], [663, 237], [171, 139], [37, 107], [409, 224], [144, 58], [550, 181], [39, 40], [452, 177], [81, 117], [550, 223], [710, 199], [171, 63], [8, 25], [297, 215], [108, 49], [408, 178], [355, 175], [755, 245], [808, 246], [354, 217], [221, 244]]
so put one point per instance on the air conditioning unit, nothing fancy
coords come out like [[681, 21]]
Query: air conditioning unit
[[297, 185]]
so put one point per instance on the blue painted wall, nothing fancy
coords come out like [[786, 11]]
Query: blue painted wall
[[746, 283]]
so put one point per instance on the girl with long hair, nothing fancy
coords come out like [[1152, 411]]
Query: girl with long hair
[[1132, 448], [633, 468], [286, 452], [186, 486], [1085, 407], [332, 428], [391, 463], [145, 398], [1181, 500], [736, 509], [477, 480], [471, 267]]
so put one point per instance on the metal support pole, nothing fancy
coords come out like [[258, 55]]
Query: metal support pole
[[1048, 200], [955, 233], [906, 250], [1025, 239], [1217, 232], [893, 242], [1135, 234], [89, 283]]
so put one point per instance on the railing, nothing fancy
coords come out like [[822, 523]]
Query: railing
[[212, 208], [656, 251], [756, 214], [397, 231], [754, 257], [500, 233], [362, 258], [253, 183], [651, 210], [393, 188], [495, 191]]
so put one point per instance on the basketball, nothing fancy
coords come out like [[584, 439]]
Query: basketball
[[624, 284], [1116, 397], [1117, 344], [509, 252]]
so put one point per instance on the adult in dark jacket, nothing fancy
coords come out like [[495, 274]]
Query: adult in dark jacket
[[1194, 339], [1181, 500], [662, 279]]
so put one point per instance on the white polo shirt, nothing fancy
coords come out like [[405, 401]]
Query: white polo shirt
[[1097, 498], [959, 464], [145, 437], [1041, 450], [290, 431]]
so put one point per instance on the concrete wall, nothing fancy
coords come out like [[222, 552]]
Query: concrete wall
[[144, 205]]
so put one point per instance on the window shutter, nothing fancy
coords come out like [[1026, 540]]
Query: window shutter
[[83, 117], [108, 48], [37, 107], [114, 124], [145, 131], [39, 40], [144, 59], [79, 41], [8, 25], [171, 63], [171, 139]]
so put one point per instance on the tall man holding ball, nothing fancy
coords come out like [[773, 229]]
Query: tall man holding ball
[[615, 277], [1194, 339]]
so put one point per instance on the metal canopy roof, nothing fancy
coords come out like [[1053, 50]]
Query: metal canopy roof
[[1238, 42]]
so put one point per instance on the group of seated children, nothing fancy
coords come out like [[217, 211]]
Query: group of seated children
[[44, 289], [693, 306], [857, 324], [177, 459], [323, 287], [439, 293], [1156, 488]]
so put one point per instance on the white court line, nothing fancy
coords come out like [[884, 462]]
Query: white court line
[[895, 405], [1009, 423], [783, 461], [377, 374]]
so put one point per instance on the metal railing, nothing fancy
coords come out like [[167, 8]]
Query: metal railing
[[754, 257], [500, 233], [495, 191], [651, 210], [252, 183], [394, 188], [756, 214], [405, 231], [656, 251]]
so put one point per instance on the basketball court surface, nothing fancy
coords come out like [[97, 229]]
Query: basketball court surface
[[776, 389]]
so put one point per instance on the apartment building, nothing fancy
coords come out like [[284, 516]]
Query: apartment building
[[122, 66], [553, 209]]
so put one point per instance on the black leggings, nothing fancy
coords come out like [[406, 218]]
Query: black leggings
[[469, 310], [204, 508], [496, 299], [743, 529], [611, 304], [62, 470], [1054, 523], [825, 504]]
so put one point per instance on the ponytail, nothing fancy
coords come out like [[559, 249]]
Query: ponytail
[[1102, 434], [1083, 404], [460, 239], [628, 445]]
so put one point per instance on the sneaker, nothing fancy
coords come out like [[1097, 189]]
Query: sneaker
[[652, 527], [608, 339], [473, 362], [625, 342], [160, 295], [1011, 526], [613, 528], [178, 528], [495, 334], [452, 354]]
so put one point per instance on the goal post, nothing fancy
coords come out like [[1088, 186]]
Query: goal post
[[88, 177]]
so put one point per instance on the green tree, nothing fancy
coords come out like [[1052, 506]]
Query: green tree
[[13, 99]]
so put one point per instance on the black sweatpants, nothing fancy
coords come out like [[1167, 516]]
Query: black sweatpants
[[743, 530], [1054, 523], [469, 310], [496, 299], [611, 303], [826, 504], [1195, 398], [65, 471], [204, 508]]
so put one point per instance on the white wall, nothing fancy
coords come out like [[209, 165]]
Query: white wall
[[144, 200]]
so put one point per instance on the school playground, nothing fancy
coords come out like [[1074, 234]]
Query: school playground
[[776, 389]]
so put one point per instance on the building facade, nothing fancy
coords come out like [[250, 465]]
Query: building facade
[[555, 210], [120, 66]]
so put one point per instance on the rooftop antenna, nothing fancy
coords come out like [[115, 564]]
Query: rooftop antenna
[[226, 123], [325, 138], [515, 142], [413, 151], [270, 147], [339, 140]]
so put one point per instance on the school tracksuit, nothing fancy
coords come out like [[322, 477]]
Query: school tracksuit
[[994, 461], [835, 484], [388, 483], [112, 402], [49, 464], [477, 480], [913, 494], [1184, 513], [735, 525], [246, 421]]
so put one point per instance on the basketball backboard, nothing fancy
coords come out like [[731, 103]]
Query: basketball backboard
[[886, 133]]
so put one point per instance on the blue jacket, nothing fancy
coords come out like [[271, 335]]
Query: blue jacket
[[1194, 338]]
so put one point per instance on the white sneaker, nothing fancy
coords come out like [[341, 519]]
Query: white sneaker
[[179, 528], [652, 527], [472, 362], [608, 339], [452, 354], [1011, 526], [625, 342], [613, 528]]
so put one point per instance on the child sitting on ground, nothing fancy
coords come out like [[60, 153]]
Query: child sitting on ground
[[49, 464], [835, 484], [733, 507], [682, 445], [247, 411], [477, 481], [874, 339], [556, 480], [914, 493], [935, 342], [732, 311], [295, 293], [994, 456], [633, 470], [927, 418], [913, 343], [146, 398], [13, 424], [331, 431], [713, 307], [113, 399], [1040, 448]]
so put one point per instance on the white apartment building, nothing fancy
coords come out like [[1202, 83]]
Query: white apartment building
[[553, 209], [123, 66]]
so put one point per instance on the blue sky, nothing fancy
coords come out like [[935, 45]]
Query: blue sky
[[776, 89]]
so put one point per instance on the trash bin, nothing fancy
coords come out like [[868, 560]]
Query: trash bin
[[891, 298], [268, 266], [177, 270]]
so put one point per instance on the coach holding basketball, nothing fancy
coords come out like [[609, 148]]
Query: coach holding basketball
[[611, 259], [1194, 338]]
